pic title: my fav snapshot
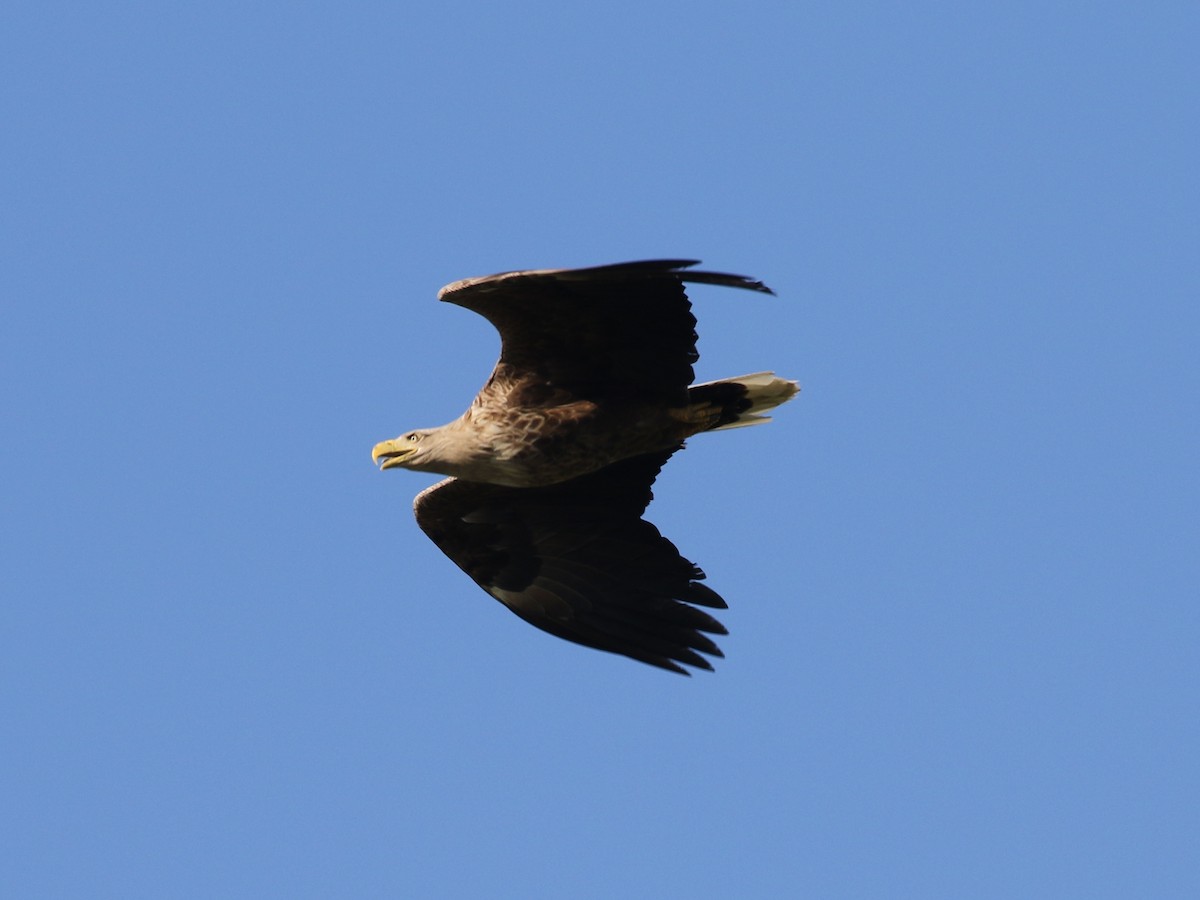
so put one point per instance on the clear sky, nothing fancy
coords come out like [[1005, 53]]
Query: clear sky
[[962, 566]]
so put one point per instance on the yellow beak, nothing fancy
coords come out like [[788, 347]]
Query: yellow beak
[[392, 453]]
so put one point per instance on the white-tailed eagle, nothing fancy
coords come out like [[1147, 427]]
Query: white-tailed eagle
[[551, 466]]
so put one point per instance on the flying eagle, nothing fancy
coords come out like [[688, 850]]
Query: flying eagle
[[551, 466]]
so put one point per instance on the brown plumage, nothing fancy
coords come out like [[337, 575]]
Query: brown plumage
[[554, 460]]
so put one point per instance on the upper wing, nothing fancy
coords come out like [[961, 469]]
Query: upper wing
[[577, 560], [623, 330]]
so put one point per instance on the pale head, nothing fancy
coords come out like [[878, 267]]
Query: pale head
[[446, 450]]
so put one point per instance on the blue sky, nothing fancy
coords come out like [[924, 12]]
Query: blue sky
[[962, 565]]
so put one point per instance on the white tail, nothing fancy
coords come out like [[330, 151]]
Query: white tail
[[764, 390]]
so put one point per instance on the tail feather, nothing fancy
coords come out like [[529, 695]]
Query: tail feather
[[739, 401]]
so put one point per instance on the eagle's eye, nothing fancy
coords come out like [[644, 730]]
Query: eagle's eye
[[414, 437]]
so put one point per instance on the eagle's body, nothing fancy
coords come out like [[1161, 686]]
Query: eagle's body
[[552, 463]]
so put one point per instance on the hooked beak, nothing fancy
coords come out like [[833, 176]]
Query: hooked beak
[[392, 453]]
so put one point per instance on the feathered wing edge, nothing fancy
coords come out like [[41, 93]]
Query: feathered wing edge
[[577, 560], [459, 291], [595, 333]]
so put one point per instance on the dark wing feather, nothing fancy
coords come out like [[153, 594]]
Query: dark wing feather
[[577, 560], [620, 331]]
